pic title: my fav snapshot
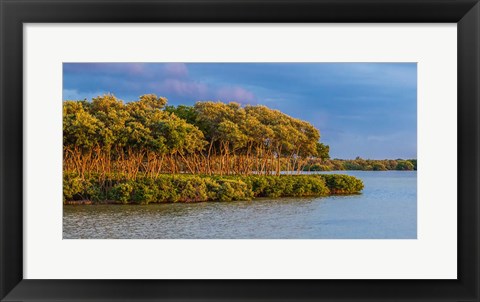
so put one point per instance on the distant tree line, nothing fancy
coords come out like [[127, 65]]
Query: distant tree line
[[327, 164], [148, 137]]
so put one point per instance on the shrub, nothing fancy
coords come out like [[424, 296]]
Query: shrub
[[144, 191], [192, 188], [121, 192], [342, 184], [232, 189], [379, 167], [93, 190], [257, 185], [166, 190], [314, 186], [404, 165], [73, 186]]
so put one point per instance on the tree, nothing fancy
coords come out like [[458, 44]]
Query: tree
[[323, 151], [404, 165], [106, 135]]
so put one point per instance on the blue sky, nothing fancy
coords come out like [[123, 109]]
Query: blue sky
[[361, 109]]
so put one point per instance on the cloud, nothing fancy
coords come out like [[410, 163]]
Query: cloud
[[71, 94], [237, 94], [182, 87], [381, 75], [171, 80], [176, 70]]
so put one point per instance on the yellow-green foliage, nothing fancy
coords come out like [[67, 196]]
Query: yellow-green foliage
[[107, 135], [342, 184], [194, 188], [317, 164]]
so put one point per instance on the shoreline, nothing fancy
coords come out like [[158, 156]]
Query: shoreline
[[74, 203]]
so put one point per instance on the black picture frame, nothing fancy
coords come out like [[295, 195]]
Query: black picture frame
[[14, 13]]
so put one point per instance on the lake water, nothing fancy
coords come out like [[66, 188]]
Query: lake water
[[386, 209]]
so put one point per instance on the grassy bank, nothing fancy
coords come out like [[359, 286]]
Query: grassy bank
[[116, 188]]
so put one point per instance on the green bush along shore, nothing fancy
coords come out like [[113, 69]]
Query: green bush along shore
[[117, 188]]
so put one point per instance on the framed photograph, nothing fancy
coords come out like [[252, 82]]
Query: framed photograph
[[239, 150]]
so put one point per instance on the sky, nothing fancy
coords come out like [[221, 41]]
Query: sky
[[361, 109]]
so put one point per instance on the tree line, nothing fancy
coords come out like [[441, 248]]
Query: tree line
[[105, 136], [327, 164]]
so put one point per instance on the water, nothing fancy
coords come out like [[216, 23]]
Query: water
[[386, 209]]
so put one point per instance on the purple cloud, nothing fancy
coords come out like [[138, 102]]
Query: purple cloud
[[165, 79], [182, 88], [236, 94], [176, 70]]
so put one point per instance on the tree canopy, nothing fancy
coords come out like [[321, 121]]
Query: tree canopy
[[107, 135]]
